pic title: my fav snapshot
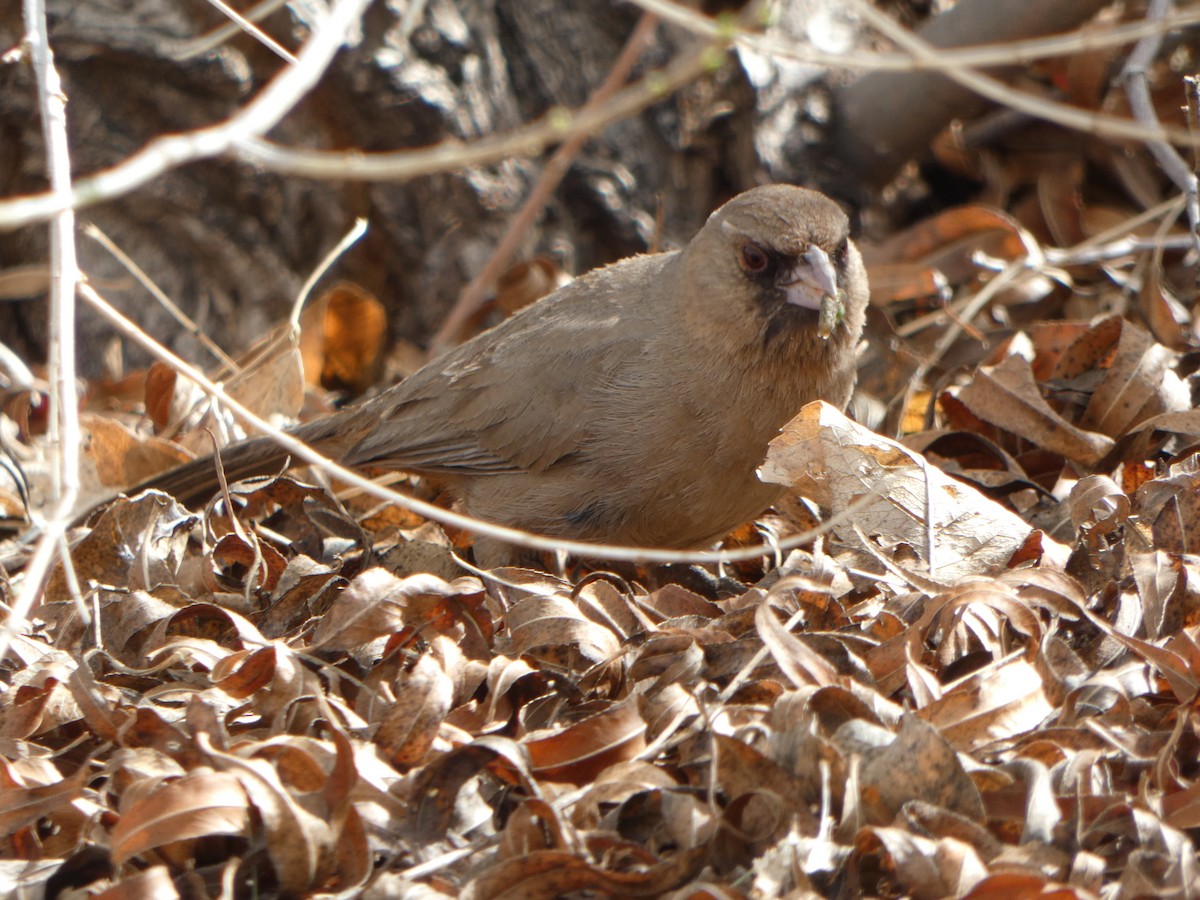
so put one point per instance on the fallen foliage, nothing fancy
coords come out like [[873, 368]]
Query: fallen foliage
[[252, 700], [980, 681]]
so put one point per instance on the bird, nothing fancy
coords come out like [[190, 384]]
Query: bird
[[630, 406]]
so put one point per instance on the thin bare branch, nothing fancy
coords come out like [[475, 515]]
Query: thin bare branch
[[1002, 53], [557, 167], [254, 31], [189, 324], [64, 277], [219, 36], [1137, 89], [256, 118]]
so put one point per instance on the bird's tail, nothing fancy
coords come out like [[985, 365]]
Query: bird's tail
[[195, 482]]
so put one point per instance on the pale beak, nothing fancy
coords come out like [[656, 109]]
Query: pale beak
[[812, 284]]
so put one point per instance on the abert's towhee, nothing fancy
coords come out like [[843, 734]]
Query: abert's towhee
[[631, 406]]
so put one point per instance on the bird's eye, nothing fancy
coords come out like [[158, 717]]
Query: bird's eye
[[754, 258]]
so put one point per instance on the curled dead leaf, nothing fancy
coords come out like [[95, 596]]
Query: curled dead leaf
[[1008, 396], [579, 752], [196, 805]]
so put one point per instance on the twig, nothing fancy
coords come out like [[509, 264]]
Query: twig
[[218, 36], [1137, 89], [1191, 89], [64, 268], [1002, 280], [19, 374], [357, 230], [413, 14], [254, 31], [453, 154], [1120, 230], [1064, 114], [64, 276], [1000, 53], [241, 135], [188, 323], [560, 162]]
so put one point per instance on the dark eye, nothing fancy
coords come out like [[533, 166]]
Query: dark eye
[[754, 258]]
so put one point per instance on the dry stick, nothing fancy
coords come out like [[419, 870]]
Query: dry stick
[[885, 119], [240, 134], [1191, 89], [165, 153], [189, 324], [64, 277], [254, 31], [878, 130], [349, 239], [955, 328], [993, 53], [218, 36], [472, 297], [1073, 255], [19, 374], [64, 268], [1100, 124], [1141, 105], [454, 154], [413, 13]]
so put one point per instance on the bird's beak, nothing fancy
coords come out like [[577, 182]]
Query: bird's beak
[[812, 284]]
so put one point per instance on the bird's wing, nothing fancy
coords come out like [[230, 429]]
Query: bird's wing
[[521, 396]]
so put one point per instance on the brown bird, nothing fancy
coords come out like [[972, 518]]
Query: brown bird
[[631, 406]]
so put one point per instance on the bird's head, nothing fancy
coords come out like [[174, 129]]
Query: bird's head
[[775, 269]]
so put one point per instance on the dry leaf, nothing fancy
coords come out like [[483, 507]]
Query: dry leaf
[[410, 724], [137, 543], [198, 804], [377, 603], [270, 380], [1008, 396], [342, 338], [1004, 699], [579, 752], [123, 457], [836, 463], [917, 764]]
